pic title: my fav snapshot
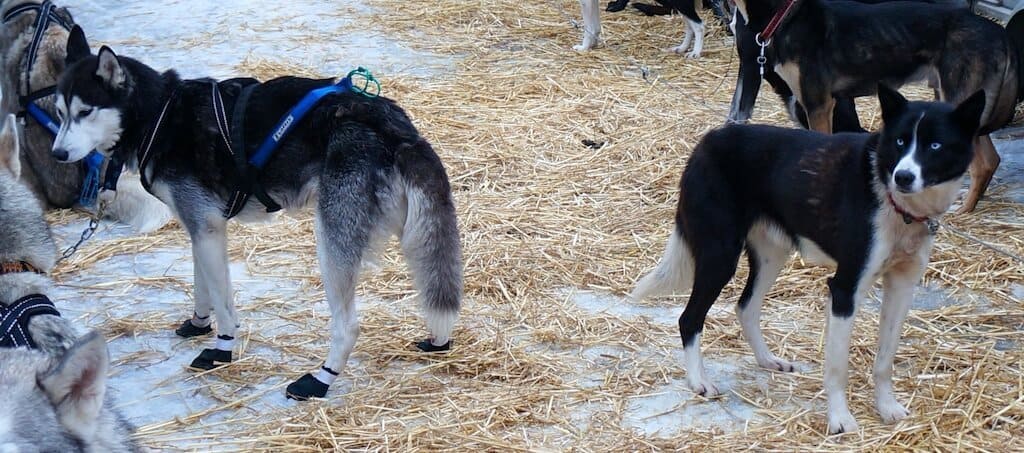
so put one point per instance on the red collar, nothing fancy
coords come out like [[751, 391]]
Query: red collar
[[908, 218], [15, 267], [766, 35]]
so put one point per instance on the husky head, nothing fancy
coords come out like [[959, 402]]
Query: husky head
[[925, 145], [90, 96], [57, 403]]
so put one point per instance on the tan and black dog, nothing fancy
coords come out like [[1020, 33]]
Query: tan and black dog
[[823, 50]]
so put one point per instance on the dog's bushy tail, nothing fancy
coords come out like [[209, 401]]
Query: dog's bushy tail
[[674, 271], [430, 236]]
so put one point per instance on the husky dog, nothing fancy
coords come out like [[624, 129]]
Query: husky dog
[[359, 159], [58, 185], [865, 203], [824, 49], [54, 395], [688, 8]]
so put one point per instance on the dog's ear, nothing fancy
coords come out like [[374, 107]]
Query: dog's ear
[[968, 114], [109, 69], [893, 103], [10, 149], [78, 47], [77, 384]]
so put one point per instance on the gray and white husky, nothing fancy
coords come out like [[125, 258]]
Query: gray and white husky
[[53, 396], [56, 184], [360, 160]]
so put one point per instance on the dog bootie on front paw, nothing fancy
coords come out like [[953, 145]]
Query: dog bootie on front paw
[[210, 359], [428, 346], [189, 329], [305, 388]]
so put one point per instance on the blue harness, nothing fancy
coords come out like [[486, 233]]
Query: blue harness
[[93, 163], [359, 80]]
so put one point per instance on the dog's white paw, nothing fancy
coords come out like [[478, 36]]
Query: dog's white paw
[[702, 386], [677, 49], [586, 45], [694, 54], [842, 422], [777, 364], [890, 410]]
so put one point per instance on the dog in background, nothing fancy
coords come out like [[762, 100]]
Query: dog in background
[[694, 25], [55, 184], [52, 382], [748, 80], [828, 49], [864, 203]]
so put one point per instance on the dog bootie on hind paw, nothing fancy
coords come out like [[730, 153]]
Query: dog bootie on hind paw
[[616, 6], [210, 359], [429, 346], [189, 330], [305, 388]]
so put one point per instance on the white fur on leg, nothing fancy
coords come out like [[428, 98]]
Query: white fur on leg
[[339, 280], [210, 253], [131, 204], [440, 324], [695, 375], [323, 376], [771, 257], [898, 286], [682, 47], [674, 271], [591, 25], [837, 355], [698, 38]]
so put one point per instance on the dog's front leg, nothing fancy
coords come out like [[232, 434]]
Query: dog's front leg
[[210, 255], [819, 114], [591, 25], [898, 286], [837, 350]]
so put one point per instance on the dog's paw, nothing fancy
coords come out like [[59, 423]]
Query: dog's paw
[[305, 388], [584, 46], [703, 387], [777, 364], [842, 422], [693, 55], [210, 359], [890, 410], [677, 49], [189, 330], [428, 346], [615, 6]]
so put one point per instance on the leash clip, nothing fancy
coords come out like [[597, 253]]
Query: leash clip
[[91, 183], [762, 59], [361, 81]]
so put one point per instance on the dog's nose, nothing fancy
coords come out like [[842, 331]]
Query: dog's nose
[[60, 154], [904, 179]]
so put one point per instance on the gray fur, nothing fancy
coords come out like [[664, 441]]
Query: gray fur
[[39, 411], [57, 184]]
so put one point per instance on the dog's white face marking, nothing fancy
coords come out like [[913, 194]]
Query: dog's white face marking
[[909, 162], [84, 128]]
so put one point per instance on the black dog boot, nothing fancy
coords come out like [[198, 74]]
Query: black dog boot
[[428, 346], [188, 329], [305, 388], [616, 6], [210, 359]]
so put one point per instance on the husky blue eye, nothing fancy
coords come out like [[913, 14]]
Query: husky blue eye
[[936, 145], [899, 142]]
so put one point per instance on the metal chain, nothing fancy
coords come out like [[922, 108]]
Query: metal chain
[[94, 223]]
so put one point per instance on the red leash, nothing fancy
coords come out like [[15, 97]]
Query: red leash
[[766, 35]]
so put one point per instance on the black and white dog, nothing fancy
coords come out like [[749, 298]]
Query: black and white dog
[[359, 159], [694, 25], [863, 202]]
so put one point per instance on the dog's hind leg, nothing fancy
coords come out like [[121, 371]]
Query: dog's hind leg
[[766, 257], [430, 242], [898, 293], [983, 167], [591, 25]]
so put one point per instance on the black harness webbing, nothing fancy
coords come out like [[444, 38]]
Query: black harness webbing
[[14, 319]]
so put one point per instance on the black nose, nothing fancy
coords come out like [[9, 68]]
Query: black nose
[[904, 179], [60, 154]]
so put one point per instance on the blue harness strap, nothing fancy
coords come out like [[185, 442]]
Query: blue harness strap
[[14, 319], [359, 80]]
